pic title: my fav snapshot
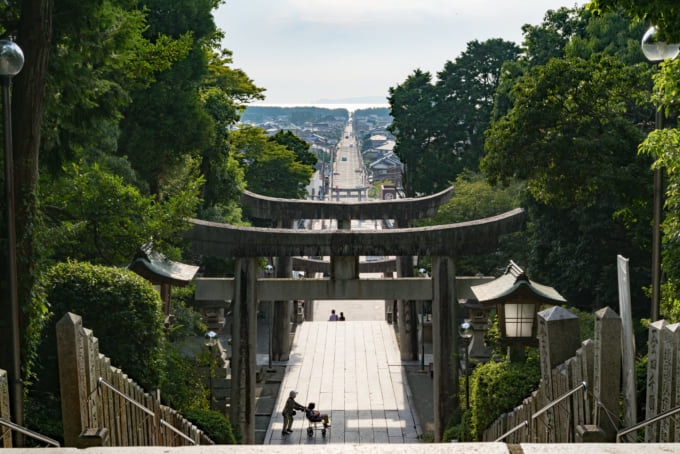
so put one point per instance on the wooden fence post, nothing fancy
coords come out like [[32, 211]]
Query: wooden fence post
[[5, 409]]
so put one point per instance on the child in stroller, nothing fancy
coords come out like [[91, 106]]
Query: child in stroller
[[315, 416]]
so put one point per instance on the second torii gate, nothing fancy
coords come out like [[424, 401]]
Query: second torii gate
[[284, 212], [443, 243]]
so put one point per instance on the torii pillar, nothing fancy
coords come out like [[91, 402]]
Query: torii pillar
[[282, 309], [444, 343], [244, 348]]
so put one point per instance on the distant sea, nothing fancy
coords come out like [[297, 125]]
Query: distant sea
[[351, 107]]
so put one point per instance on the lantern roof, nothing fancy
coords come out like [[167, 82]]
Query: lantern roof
[[158, 269], [513, 282]]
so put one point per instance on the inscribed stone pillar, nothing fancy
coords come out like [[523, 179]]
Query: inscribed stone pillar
[[282, 314], [72, 378], [244, 348], [627, 345], [654, 351], [607, 371], [669, 381], [559, 339], [444, 343]]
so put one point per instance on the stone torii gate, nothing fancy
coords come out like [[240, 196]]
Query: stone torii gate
[[284, 212], [443, 243]]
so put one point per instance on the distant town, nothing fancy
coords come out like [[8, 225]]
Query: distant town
[[323, 128]]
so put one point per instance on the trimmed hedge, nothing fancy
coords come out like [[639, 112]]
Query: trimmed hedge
[[121, 308], [498, 387], [214, 424]]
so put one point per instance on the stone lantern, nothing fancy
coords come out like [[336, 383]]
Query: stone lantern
[[516, 299]]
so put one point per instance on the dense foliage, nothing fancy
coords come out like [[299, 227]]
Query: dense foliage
[[109, 299], [496, 388], [440, 126], [214, 424], [122, 309], [124, 119]]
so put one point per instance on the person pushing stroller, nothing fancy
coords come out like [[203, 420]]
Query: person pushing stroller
[[289, 412]]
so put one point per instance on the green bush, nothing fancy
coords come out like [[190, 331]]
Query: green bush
[[124, 312], [121, 308], [214, 424], [498, 387]]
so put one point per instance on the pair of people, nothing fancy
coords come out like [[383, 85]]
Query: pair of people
[[334, 317], [292, 406]]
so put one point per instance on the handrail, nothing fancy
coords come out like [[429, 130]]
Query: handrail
[[174, 429], [29, 432], [525, 423], [580, 387], [646, 422], [101, 381]]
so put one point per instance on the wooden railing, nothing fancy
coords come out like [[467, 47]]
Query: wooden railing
[[595, 414], [102, 406]]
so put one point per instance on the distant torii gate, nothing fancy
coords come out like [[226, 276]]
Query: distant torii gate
[[443, 243], [284, 212]]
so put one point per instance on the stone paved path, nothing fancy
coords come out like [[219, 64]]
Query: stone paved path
[[352, 371]]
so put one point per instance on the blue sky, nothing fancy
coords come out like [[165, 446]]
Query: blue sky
[[321, 51]]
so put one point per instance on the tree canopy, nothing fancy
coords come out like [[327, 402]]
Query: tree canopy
[[439, 126]]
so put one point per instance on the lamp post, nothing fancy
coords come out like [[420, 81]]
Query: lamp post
[[11, 62], [465, 333], [656, 51], [211, 337], [516, 299]]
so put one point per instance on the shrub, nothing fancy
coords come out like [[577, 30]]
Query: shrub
[[121, 308], [214, 424], [124, 312], [498, 387]]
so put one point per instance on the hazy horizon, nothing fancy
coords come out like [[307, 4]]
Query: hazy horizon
[[328, 52]]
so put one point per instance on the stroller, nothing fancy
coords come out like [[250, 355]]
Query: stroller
[[314, 418]]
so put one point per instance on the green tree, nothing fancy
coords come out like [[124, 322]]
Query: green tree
[[574, 143], [474, 199], [550, 38], [270, 168], [92, 215], [166, 121], [662, 13], [410, 107], [557, 119], [223, 93], [465, 91], [301, 148], [439, 128], [66, 99]]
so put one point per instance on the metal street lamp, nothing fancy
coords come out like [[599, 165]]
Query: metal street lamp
[[11, 62], [465, 333], [211, 342], [656, 51]]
